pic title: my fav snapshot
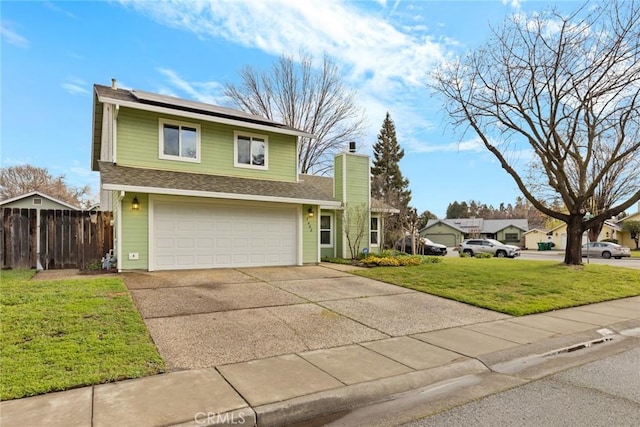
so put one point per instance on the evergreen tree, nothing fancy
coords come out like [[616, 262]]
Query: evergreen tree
[[387, 182]]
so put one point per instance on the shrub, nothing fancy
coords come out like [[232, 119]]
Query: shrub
[[337, 260], [393, 261], [431, 260], [483, 255], [409, 260]]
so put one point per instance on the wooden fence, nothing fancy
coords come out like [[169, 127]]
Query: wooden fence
[[54, 239]]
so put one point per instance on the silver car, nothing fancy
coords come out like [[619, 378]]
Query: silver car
[[494, 247], [605, 250]]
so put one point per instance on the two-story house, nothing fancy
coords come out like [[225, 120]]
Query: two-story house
[[194, 185]]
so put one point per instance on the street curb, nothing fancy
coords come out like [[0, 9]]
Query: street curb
[[332, 401]]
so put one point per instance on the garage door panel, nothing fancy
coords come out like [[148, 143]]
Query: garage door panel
[[209, 235]]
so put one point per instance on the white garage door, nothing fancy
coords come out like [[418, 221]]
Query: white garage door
[[208, 235]]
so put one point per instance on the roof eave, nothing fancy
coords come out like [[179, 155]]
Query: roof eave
[[204, 117], [219, 195]]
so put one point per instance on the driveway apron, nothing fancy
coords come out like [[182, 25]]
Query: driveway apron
[[206, 318]]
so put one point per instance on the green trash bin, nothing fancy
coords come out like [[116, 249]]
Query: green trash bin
[[541, 246], [548, 246]]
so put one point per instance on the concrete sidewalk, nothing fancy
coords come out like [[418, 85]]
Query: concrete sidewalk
[[292, 388]]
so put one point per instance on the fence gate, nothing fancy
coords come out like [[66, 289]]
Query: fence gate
[[54, 238]]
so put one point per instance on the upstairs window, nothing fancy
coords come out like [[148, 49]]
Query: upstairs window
[[250, 150], [179, 141], [37, 201]]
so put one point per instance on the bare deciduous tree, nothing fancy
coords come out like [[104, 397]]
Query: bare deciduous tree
[[355, 218], [18, 180], [567, 89], [310, 99]]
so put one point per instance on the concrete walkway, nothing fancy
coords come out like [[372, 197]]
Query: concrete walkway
[[311, 382]]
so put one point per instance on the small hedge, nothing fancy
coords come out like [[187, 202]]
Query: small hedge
[[398, 261], [477, 255]]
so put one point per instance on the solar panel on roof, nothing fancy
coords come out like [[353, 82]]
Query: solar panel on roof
[[194, 105]]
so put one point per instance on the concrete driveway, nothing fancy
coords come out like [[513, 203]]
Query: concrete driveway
[[206, 318]]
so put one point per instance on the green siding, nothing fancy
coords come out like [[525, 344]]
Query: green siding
[[310, 244], [442, 233], [138, 146], [352, 188], [326, 253], [135, 233], [502, 233], [339, 243], [115, 204]]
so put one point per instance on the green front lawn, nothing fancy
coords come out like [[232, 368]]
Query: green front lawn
[[62, 334], [516, 287]]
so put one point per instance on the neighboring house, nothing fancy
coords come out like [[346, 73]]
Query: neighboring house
[[624, 237], [535, 236], [558, 234], [452, 232], [36, 200], [194, 185]]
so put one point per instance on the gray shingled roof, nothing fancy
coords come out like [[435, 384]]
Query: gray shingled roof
[[177, 104], [495, 225], [312, 189], [484, 225]]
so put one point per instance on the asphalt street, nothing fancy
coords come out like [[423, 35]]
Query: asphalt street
[[601, 393]]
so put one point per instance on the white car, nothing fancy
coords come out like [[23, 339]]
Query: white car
[[605, 250], [494, 247]]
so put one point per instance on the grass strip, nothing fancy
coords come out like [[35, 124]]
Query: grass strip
[[63, 334], [516, 287]]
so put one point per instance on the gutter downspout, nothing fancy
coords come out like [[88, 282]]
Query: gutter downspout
[[119, 232]]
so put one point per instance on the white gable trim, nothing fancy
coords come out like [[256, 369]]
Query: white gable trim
[[39, 194], [217, 195]]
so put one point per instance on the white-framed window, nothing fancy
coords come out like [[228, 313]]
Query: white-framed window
[[37, 201], [326, 231], [179, 141], [375, 231], [250, 150]]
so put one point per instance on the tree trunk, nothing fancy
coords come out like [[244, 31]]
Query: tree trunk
[[594, 232], [573, 252]]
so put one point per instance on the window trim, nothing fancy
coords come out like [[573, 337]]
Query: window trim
[[252, 136], [180, 124], [377, 231], [330, 230]]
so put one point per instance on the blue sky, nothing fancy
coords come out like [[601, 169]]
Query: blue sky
[[53, 52]]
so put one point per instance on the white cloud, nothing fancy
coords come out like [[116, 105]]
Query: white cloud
[[380, 60], [516, 4], [474, 145], [209, 92], [56, 8], [11, 36], [76, 86]]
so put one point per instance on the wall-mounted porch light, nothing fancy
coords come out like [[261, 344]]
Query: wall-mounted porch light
[[135, 204], [310, 213]]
